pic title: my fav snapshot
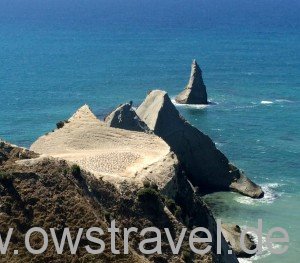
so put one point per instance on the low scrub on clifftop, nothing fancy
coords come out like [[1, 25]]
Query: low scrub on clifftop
[[48, 194]]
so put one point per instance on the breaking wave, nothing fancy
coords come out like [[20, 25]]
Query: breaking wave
[[193, 106], [270, 195], [275, 101], [266, 102], [265, 251]]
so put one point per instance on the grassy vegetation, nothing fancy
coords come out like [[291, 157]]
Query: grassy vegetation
[[6, 179], [75, 170], [61, 124], [186, 255]]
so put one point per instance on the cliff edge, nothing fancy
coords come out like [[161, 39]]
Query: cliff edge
[[205, 165]]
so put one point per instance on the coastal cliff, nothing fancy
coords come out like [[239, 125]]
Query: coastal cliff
[[138, 167], [83, 139], [50, 192], [206, 166]]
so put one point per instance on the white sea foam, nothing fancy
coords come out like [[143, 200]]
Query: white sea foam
[[245, 260], [219, 144], [270, 195], [275, 101], [265, 251], [192, 106], [283, 100], [266, 102]]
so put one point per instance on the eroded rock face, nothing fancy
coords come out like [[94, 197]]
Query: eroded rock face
[[46, 193], [232, 234], [125, 117], [195, 91], [206, 166], [116, 155]]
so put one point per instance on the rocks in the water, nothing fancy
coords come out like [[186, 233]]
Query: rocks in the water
[[205, 165], [242, 184], [195, 91], [125, 117], [232, 234]]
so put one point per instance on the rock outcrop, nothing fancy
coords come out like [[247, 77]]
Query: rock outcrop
[[125, 117], [232, 234], [206, 166], [116, 155], [195, 91], [47, 193]]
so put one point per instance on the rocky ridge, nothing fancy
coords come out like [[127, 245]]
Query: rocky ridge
[[206, 166], [151, 153]]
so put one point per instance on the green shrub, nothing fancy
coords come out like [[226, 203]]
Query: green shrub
[[5, 177], [186, 255], [150, 199], [61, 124], [170, 203], [148, 184], [148, 195], [178, 212], [75, 170]]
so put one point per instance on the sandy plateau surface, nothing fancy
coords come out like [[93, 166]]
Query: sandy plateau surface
[[107, 152]]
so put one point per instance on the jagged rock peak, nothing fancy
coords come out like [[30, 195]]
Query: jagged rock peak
[[125, 117], [195, 91], [83, 113]]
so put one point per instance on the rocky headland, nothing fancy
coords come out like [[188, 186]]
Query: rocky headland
[[139, 167]]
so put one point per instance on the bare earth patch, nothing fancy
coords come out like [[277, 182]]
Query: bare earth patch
[[111, 153]]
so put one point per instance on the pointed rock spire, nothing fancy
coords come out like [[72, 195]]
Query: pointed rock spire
[[84, 113], [195, 91]]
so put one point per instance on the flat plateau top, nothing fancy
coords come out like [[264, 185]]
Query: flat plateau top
[[99, 149]]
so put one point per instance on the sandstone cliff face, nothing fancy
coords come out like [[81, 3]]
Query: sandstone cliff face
[[205, 165], [125, 117], [116, 155], [45, 192], [195, 91]]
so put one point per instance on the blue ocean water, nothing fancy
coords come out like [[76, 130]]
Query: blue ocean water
[[56, 57]]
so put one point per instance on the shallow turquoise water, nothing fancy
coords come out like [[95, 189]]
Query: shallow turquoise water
[[47, 72]]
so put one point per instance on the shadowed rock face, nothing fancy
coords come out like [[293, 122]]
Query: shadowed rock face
[[124, 117], [205, 165], [195, 91]]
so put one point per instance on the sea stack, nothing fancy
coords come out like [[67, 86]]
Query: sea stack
[[195, 91]]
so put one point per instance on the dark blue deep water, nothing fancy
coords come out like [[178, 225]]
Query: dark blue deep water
[[57, 55]]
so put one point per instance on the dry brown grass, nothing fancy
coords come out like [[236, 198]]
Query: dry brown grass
[[48, 195]]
